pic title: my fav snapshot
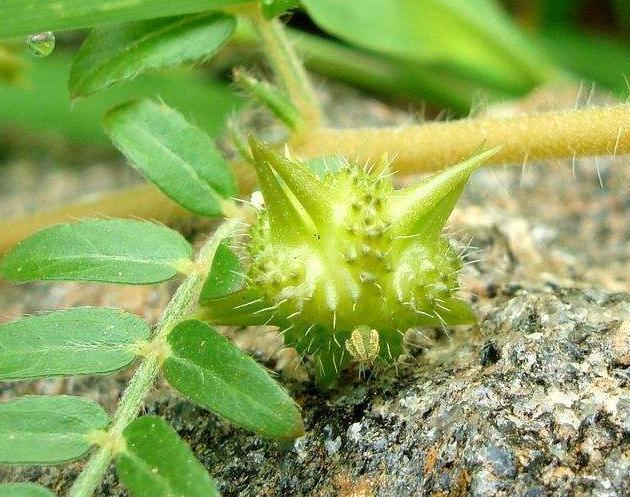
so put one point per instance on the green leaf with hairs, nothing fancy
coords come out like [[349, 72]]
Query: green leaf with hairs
[[32, 16], [107, 251], [24, 490], [69, 342], [114, 54], [178, 157], [209, 369], [157, 463], [43, 429]]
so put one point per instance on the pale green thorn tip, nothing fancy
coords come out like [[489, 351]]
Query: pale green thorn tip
[[425, 207], [309, 190], [288, 220]]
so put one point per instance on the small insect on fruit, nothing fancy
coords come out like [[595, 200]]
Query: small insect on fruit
[[364, 345], [343, 263]]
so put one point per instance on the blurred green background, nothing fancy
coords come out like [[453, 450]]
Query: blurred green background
[[447, 55]]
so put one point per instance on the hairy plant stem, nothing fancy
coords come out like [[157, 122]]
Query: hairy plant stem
[[433, 146], [180, 307], [420, 148], [288, 68]]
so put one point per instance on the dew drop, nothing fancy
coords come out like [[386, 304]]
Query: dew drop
[[41, 44]]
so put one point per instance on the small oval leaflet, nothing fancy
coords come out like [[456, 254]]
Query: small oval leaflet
[[110, 56], [104, 251], [41, 44], [69, 342], [179, 158], [47, 429], [157, 463], [212, 371], [24, 490]]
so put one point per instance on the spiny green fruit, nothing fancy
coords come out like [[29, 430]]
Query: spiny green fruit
[[342, 262]]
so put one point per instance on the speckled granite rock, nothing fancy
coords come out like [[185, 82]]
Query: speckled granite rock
[[533, 401]]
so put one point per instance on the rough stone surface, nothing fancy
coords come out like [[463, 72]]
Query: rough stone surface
[[550, 415], [533, 401]]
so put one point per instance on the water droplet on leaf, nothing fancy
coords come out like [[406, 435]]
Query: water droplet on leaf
[[41, 44]]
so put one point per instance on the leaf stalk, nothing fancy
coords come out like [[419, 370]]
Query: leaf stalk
[[180, 307]]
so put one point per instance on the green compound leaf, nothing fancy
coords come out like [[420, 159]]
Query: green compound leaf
[[106, 251], [44, 429], [157, 463], [226, 274], [24, 490], [179, 158], [69, 342], [121, 53], [211, 371], [31, 16]]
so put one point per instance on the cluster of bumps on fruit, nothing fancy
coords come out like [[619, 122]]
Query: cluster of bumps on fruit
[[342, 263]]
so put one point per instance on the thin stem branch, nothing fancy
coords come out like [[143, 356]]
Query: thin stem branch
[[287, 67], [181, 306]]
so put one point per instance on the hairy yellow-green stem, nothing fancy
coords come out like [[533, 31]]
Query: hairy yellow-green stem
[[432, 146], [425, 147], [287, 67]]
